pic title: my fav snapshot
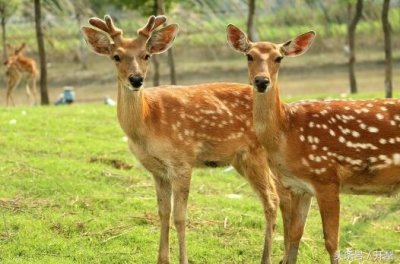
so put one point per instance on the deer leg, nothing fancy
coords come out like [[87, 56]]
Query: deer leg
[[12, 82], [9, 98], [270, 201], [254, 168], [163, 189], [31, 90], [300, 205], [28, 92], [285, 205], [180, 190], [329, 207]]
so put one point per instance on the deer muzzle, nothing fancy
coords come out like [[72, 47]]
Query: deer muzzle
[[136, 81], [261, 83]]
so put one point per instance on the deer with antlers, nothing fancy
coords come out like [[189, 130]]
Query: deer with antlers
[[172, 129], [17, 66], [320, 148]]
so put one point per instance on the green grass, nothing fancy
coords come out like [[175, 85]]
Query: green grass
[[58, 207]]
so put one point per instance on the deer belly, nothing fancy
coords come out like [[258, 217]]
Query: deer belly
[[384, 181], [297, 185], [369, 186], [371, 189]]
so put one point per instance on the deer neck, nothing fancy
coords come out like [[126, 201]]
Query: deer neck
[[269, 117], [131, 107]]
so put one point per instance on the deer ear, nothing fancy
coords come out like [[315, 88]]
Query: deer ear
[[20, 49], [237, 39], [99, 41], [298, 45], [10, 49], [161, 40]]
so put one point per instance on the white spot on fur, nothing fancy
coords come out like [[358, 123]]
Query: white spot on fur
[[373, 159], [373, 129], [355, 133], [396, 159], [314, 147], [363, 126], [380, 116]]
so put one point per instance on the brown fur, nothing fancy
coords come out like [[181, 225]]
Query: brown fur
[[19, 65], [322, 148], [172, 129]]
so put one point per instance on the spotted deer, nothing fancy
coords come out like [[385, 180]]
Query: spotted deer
[[18, 65], [173, 129], [320, 148]]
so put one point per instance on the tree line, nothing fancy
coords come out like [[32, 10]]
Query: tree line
[[84, 8]]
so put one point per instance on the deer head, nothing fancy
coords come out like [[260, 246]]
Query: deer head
[[13, 53], [264, 57], [131, 55]]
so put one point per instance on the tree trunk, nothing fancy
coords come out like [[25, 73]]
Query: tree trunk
[[156, 63], [82, 47], [156, 68], [351, 41], [171, 63], [388, 49], [3, 37], [159, 10], [251, 32], [44, 96]]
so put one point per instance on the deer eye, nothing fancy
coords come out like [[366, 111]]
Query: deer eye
[[147, 57], [278, 59], [116, 58], [249, 57]]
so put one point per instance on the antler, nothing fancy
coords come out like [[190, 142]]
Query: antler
[[152, 23], [107, 25], [17, 51]]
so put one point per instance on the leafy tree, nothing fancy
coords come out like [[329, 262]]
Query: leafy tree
[[145, 7], [7, 9]]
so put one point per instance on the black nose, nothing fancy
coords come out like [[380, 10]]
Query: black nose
[[136, 81], [261, 83]]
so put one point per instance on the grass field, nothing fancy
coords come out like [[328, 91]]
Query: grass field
[[62, 200]]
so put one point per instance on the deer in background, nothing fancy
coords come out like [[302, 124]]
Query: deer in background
[[172, 129], [320, 148], [18, 65]]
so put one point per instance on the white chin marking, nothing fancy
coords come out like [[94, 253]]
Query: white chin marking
[[133, 89]]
